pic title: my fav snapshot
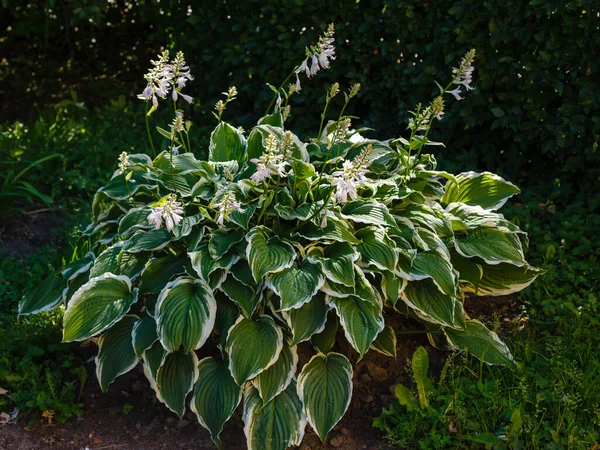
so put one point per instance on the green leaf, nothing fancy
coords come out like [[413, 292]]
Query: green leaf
[[369, 212], [336, 230], [303, 170], [337, 261], [267, 255], [420, 367], [253, 346], [385, 342], [222, 240], [324, 340], [152, 359], [97, 305], [243, 296], [204, 264], [325, 388], [175, 379], [492, 245], [148, 241], [159, 271], [118, 262], [226, 144], [119, 189], [134, 219], [483, 189], [185, 314], [504, 279], [432, 304], [435, 265], [277, 377], [216, 396], [482, 343], [144, 335], [277, 425], [116, 355], [296, 285], [45, 297], [377, 249], [361, 320], [406, 397], [307, 320]]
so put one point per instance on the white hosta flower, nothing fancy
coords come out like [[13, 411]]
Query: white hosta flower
[[270, 163], [180, 75], [226, 206], [158, 80], [351, 176], [319, 55], [463, 75], [170, 211], [123, 162], [456, 93]]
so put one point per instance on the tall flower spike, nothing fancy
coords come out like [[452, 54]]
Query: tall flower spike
[[123, 162], [171, 212], [158, 80], [463, 75], [351, 176], [271, 162], [226, 206], [318, 56], [180, 75]]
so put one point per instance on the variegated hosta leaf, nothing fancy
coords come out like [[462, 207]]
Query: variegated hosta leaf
[[45, 297], [492, 245], [277, 425], [473, 217], [252, 346], [185, 314], [118, 262], [483, 189], [148, 241], [296, 285], [278, 376], [159, 271], [361, 320], [325, 388], [216, 396], [432, 304], [385, 342], [308, 319], [175, 379], [204, 264], [377, 249], [227, 144], [369, 212], [335, 230], [116, 355], [222, 240], [337, 261], [267, 255], [152, 359], [73, 270], [144, 335], [323, 340], [97, 305], [243, 296], [499, 279], [433, 264], [481, 342], [134, 219]]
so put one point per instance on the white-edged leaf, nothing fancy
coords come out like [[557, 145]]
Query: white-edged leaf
[[252, 346], [277, 425], [278, 376], [492, 245], [361, 320], [482, 343], [337, 261], [175, 379], [116, 355], [432, 304], [144, 335], [377, 249], [296, 285], [185, 314], [45, 297], [504, 279], [325, 388], [216, 396], [267, 255], [148, 241], [385, 342], [307, 320], [97, 305], [369, 212], [433, 264], [118, 262], [483, 189]]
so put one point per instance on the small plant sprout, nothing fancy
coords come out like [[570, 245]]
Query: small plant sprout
[[167, 209], [226, 206], [221, 105]]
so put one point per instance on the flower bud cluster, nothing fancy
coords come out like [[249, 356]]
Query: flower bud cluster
[[351, 176]]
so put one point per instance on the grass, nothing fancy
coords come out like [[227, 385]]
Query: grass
[[552, 401]]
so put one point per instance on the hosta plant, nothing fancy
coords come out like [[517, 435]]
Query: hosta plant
[[212, 273]]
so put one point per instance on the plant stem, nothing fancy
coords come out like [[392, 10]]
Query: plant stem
[[280, 87], [148, 131]]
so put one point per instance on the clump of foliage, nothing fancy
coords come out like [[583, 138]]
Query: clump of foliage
[[273, 242]]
